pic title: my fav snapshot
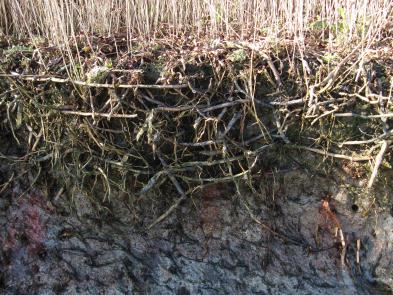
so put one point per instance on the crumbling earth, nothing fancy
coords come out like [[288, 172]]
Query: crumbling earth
[[217, 242]]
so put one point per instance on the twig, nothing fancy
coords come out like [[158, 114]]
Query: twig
[[358, 251], [91, 114], [208, 163], [335, 108], [38, 78], [333, 74], [389, 115], [356, 142], [378, 161], [222, 179], [6, 184], [232, 122], [152, 182], [178, 188], [200, 144], [338, 156], [174, 109], [299, 101], [273, 68], [224, 105]]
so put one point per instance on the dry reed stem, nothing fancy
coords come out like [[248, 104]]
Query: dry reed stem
[[94, 114], [240, 19], [37, 78], [333, 155]]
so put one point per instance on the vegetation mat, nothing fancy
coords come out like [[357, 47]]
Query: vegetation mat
[[175, 116]]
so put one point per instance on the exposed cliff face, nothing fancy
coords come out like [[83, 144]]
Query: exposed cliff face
[[217, 242]]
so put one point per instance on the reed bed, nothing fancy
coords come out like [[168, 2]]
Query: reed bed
[[226, 19]]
